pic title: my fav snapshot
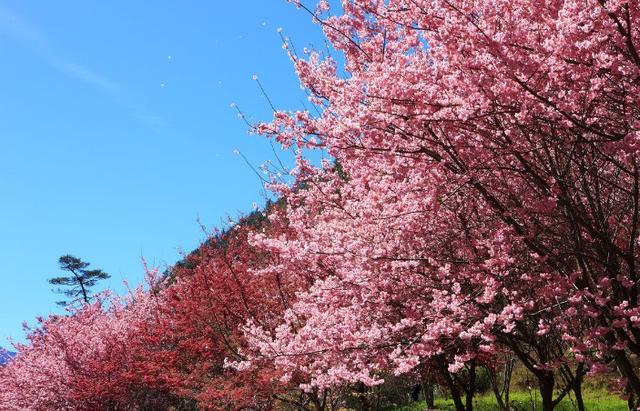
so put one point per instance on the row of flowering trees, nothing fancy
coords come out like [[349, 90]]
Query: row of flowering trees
[[165, 345], [483, 199]]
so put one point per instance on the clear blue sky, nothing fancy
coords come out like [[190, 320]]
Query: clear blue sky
[[116, 132]]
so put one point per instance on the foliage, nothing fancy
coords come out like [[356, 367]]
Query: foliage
[[78, 284]]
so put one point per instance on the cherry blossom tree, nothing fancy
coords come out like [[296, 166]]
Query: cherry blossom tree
[[491, 189], [197, 339], [86, 360]]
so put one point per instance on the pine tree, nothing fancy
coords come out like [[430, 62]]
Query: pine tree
[[77, 286]]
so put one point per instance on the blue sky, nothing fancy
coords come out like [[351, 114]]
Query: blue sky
[[116, 132]]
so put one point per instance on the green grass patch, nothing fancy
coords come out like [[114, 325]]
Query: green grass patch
[[594, 400]]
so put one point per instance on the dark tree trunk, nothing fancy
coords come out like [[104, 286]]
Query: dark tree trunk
[[506, 384], [453, 388], [457, 399], [429, 397], [317, 403], [471, 387], [577, 390], [631, 401], [628, 371], [363, 401], [496, 393], [502, 389], [546, 382], [415, 392]]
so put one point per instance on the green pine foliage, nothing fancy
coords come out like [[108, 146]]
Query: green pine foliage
[[77, 285]]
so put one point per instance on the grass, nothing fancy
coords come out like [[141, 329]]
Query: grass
[[594, 400]]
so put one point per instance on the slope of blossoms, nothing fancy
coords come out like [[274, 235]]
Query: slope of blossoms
[[483, 199], [165, 346], [63, 364]]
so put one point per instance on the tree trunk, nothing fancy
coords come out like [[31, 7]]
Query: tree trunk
[[363, 400], [577, 390], [429, 397], [319, 406], [457, 399], [471, 388], [546, 382], [627, 370], [631, 401], [455, 392], [506, 384], [496, 392], [415, 392]]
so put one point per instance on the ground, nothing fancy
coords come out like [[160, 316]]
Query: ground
[[595, 400]]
